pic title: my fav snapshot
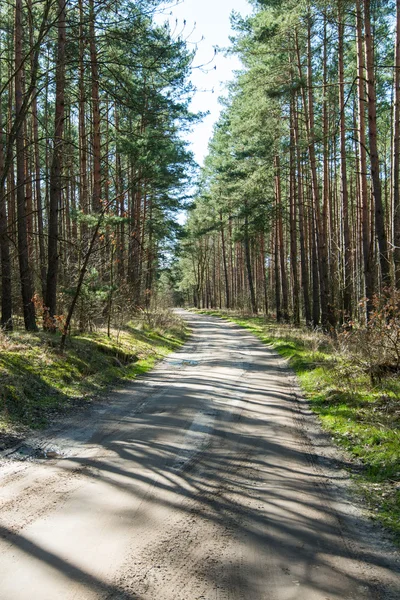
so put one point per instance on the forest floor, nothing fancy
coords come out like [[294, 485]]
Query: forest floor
[[38, 383], [208, 477], [363, 419]]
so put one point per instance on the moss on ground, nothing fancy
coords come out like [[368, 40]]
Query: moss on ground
[[37, 381], [361, 418]]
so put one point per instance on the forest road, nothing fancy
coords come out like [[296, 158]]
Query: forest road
[[206, 479]]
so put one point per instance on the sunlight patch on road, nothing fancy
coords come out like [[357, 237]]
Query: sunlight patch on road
[[196, 440]]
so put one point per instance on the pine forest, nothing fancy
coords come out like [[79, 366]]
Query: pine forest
[[200, 299], [94, 106], [298, 208]]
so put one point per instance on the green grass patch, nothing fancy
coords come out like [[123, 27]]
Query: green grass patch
[[37, 381], [362, 418]]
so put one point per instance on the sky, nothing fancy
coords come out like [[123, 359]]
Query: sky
[[208, 19]]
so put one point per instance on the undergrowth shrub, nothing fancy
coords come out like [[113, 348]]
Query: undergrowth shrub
[[162, 319], [375, 349]]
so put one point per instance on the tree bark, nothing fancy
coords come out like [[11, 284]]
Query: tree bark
[[396, 150], [96, 193], [227, 293], [303, 250], [56, 173], [278, 303], [293, 221], [326, 232], [6, 288], [367, 239], [280, 240], [373, 148], [246, 243], [23, 255], [347, 283]]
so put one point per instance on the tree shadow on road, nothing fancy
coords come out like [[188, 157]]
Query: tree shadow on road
[[250, 507]]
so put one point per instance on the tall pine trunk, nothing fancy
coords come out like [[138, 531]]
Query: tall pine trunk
[[280, 240], [56, 173], [246, 243], [367, 239], [96, 141], [373, 148], [23, 253], [305, 277], [227, 292], [293, 221], [347, 283], [396, 150], [6, 288]]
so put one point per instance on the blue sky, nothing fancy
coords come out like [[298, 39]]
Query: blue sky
[[208, 18]]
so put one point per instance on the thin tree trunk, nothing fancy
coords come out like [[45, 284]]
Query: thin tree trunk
[[367, 245], [6, 288], [305, 277], [278, 303], [316, 308], [246, 243], [39, 203], [227, 294], [280, 240], [83, 177], [347, 287], [264, 274], [319, 243], [326, 233], [293, 221], [96, 193], [80, 280]]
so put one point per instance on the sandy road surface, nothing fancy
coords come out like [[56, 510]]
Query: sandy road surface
[[197, 482]]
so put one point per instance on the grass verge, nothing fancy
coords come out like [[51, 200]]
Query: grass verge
[[37, 382], [362, 419]]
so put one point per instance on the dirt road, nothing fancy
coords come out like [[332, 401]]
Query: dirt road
[[208, 479]]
